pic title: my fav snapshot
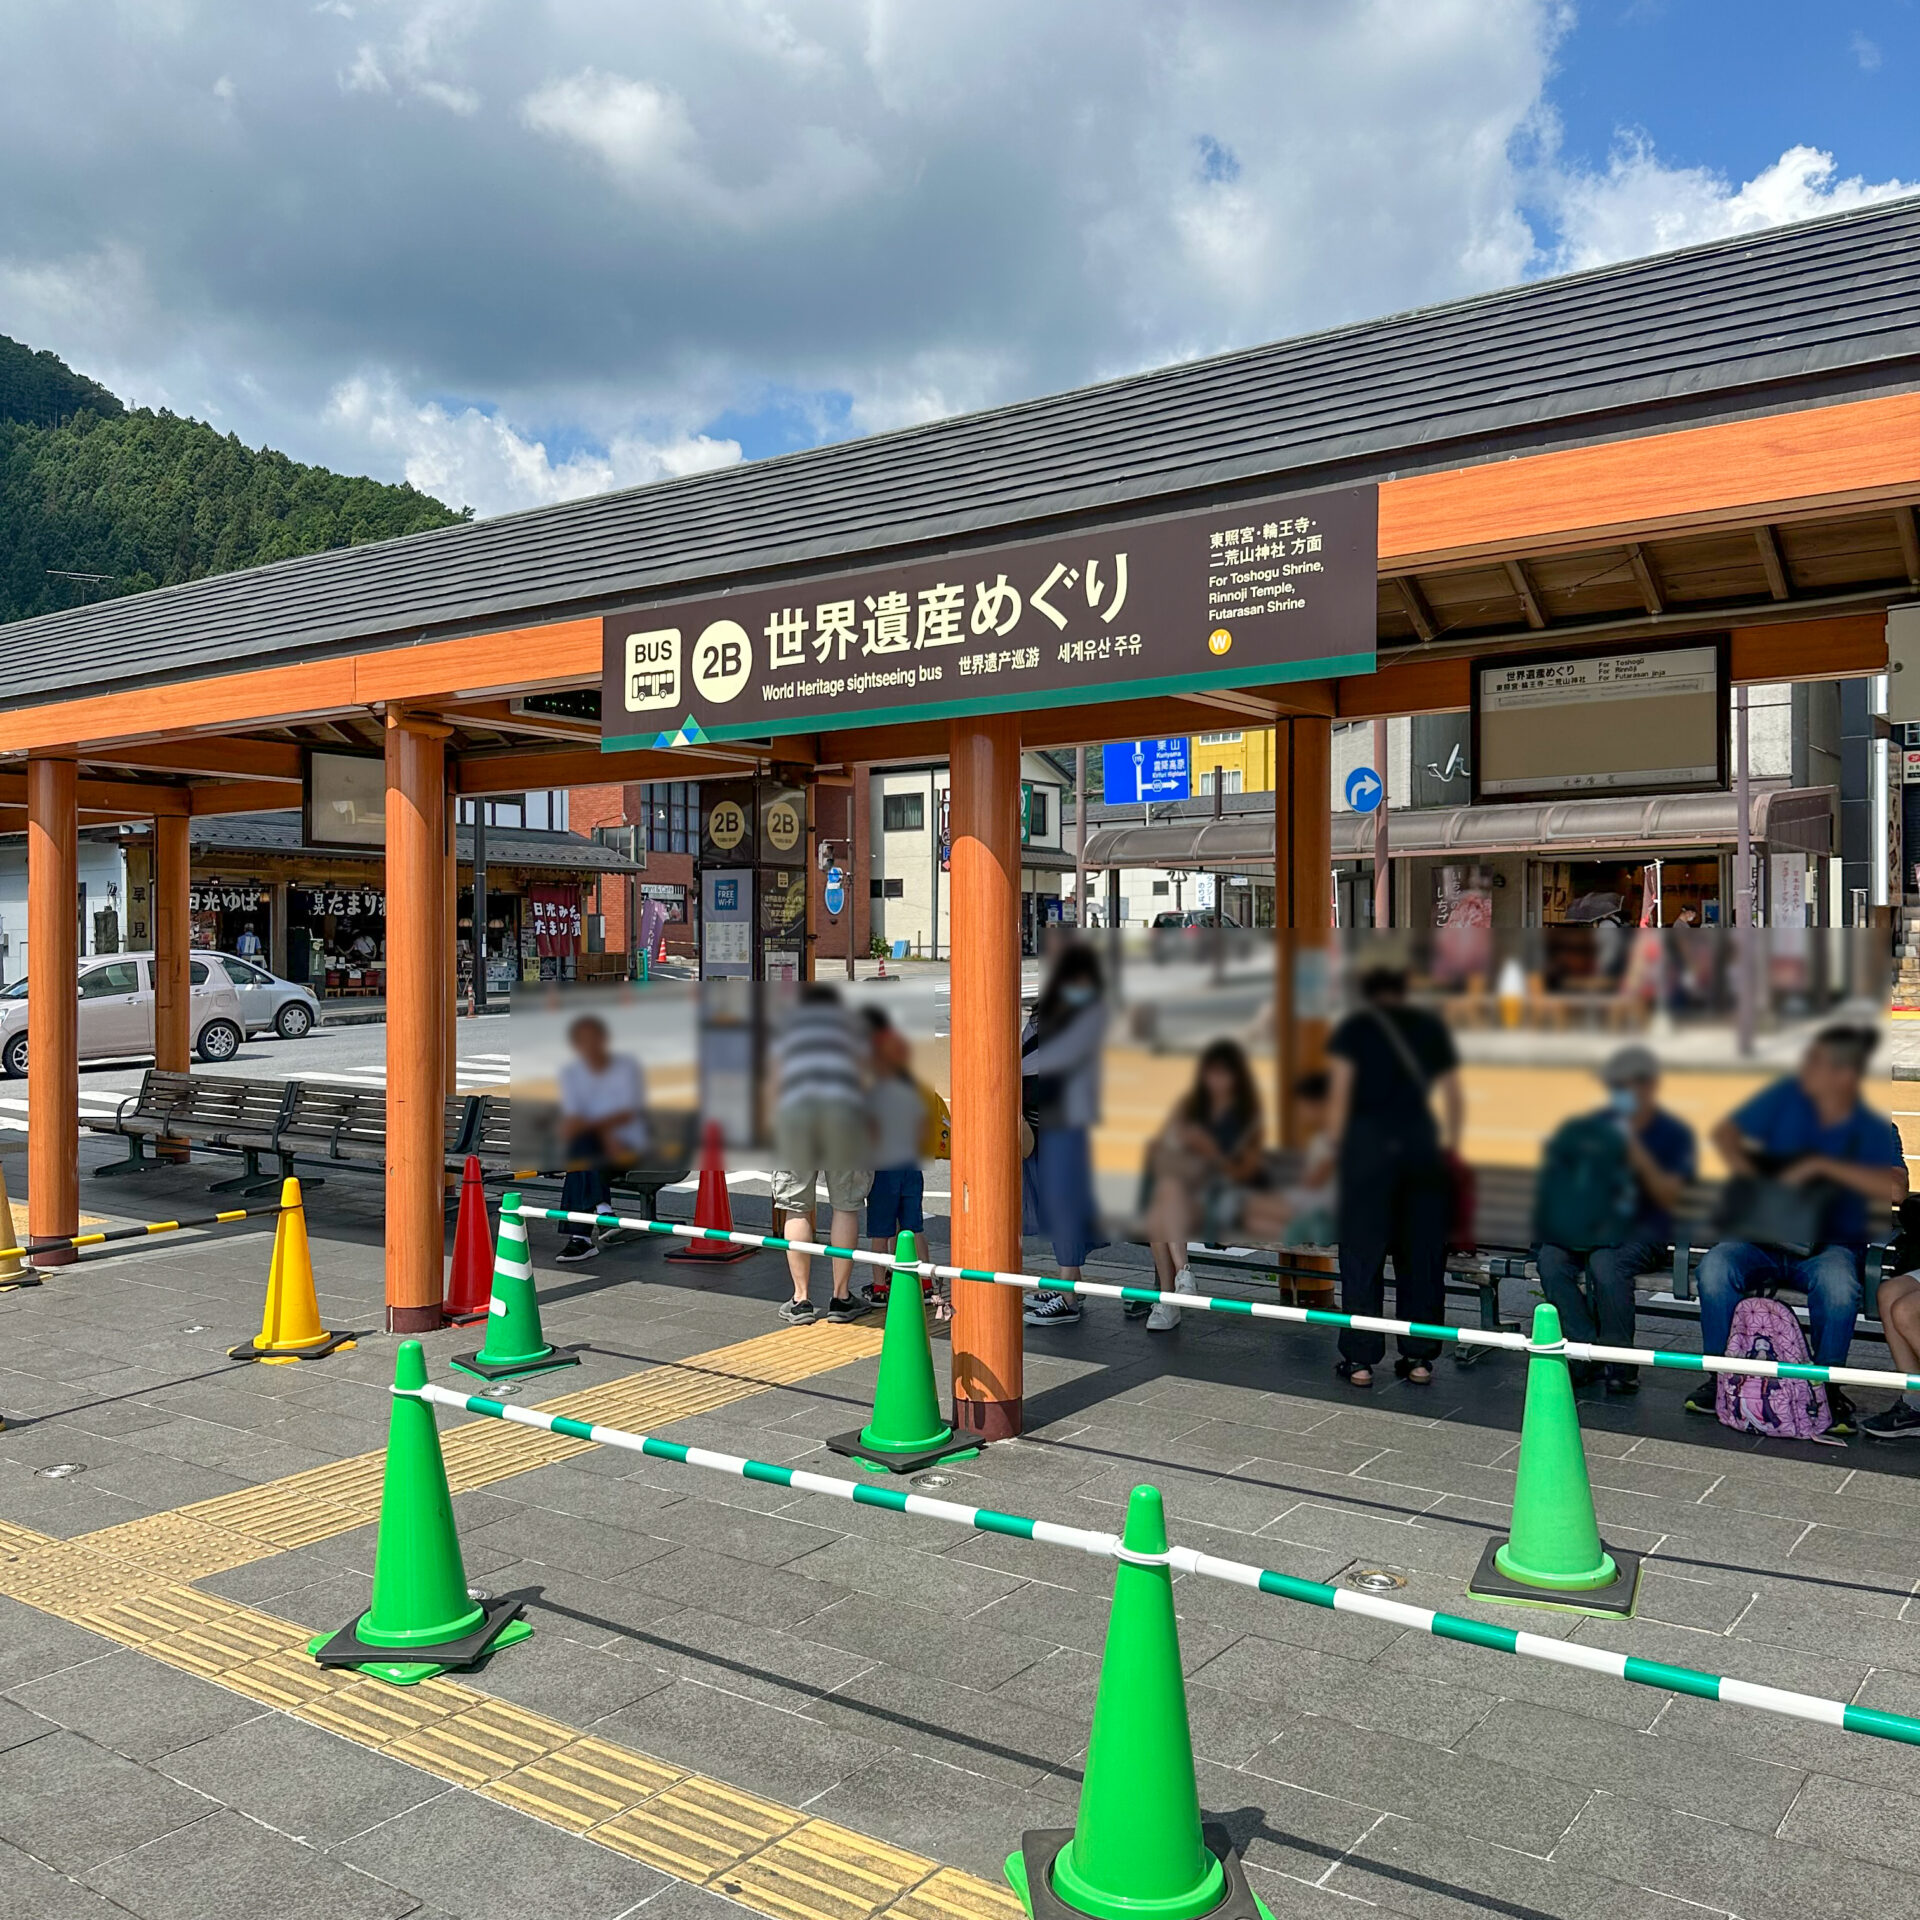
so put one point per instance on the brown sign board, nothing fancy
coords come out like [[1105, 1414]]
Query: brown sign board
[[1249, 594]]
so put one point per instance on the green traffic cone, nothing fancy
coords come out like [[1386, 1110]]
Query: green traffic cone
[[907, 1431], [514, 1344], [1554, 1546], [1137, 1850], [421, 1607]]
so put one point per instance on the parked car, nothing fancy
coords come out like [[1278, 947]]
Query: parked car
[[116, 1011], [269, 1004]]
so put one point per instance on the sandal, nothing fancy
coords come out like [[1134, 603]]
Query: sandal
[[1360, 1379], [1416, 1373]]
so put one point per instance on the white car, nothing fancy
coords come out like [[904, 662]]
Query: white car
[[116, 1011], [269, 1004]]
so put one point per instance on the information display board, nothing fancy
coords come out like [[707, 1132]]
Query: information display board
[[1257, 592], [1549, 726]]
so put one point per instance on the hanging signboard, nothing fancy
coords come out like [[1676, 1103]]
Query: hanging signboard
[[1243, 595]]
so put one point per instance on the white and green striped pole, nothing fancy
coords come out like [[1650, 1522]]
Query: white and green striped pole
[[1266, 1310], [1313, 1593]]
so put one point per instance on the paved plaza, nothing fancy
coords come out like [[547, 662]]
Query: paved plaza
[[739, 1693]]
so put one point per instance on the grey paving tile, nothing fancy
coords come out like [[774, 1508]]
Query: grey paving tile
[[566, 1678], [765, 1664], [769, 1540], [134, 1705], [18, 1725], [480, 1860], [228, 1865], [585, 1485], [738, 1589], [604, 1613], [73, 1804], [1803, 1618], [1383, 1770], [786, 1756], [1565, 1689], [1413, 1868], [1685, 1600], [565, 1540], [1729, 1868], [1831, 1673], [1434, 1544], [1290, 1899], [963, 1819], [299, 1780], [898, 1571], [975, 1652], [1869, 1823], [1741, 1788], [677, 1900], [31, 1890]]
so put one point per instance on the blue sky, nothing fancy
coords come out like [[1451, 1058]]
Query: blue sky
[[517, 251]]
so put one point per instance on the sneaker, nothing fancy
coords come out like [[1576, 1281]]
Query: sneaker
[[1622, 1380], [796, 1313], [1165, 1315], [1053, 1310], [1900, 1422], [876, 1294], [1135, 1309], [1705, 1397], [578, 1248], [847, 1306], [1846, 1416]]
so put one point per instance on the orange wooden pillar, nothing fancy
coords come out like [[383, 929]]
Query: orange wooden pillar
[[172, 942], [1303, 904], [416, 1019], [53, 1006], [985, 877], [450, 921]]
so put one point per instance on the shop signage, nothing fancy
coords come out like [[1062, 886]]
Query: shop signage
[[354, 902], [671, 898], [1266, 590], [227, 899], [556, 919]]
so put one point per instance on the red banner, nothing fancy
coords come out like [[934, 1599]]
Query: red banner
[[556, 919]]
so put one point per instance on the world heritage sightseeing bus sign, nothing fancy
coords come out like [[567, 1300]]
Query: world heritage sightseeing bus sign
[[1248, 594]]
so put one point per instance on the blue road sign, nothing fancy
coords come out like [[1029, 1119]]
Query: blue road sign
[[1136, 770], [836, 889], [1364, 788]]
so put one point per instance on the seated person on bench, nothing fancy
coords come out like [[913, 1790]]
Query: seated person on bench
[[1608, 1186], [603, 1098], [1208, 1168]]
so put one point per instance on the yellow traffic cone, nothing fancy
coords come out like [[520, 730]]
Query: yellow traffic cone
[[290, 1328], [15, 1271]]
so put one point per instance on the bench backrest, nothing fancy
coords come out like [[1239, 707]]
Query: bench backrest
[[492, 1134], [342, 1116], [163, 1094]]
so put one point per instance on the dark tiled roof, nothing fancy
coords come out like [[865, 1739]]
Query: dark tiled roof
[[1829, 308], [281, 833]]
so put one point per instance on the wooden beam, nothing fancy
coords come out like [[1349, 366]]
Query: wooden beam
[[1745, 471], [129, 799], [1841, 648], [498, 716], [1407, 686], [224, 757], [1906, 522], [245, 796], [1529, 600], [1772, 564], [1645, 579], [1416, 605], [524, 769]]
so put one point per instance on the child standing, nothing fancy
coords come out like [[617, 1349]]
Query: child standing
[[896, 1203]]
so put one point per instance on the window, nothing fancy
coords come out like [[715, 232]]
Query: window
[[1160, 887], [547, 812], [903, 813], [1037, 814], [509, 810], [876, 890], [1230, 778], [198, 974], [1217, 739], [243, 975], [122, 976], [672, 812], [896, 890]]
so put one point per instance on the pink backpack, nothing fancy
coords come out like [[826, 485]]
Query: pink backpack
[[1763, 1329]]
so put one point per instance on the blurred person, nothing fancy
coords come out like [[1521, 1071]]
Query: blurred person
[[896, 1202], [603, 1126], [1808, 1127], [1385, 1061], [1609, 1183], [1060, 1099], [1898, 1304], [821, 1129], [248, 946]]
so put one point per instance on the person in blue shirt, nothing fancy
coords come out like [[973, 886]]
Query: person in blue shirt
[[1660, 1152], [1811, 1126]]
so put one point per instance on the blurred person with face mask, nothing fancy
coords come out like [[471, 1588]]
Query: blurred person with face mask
[[603, 1097], [1060, 1100]]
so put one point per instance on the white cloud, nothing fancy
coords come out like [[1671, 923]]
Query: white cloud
[[1866, 52], [475, 458], [1639, 206]]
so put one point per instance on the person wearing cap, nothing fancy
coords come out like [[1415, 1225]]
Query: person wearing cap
[[1808, 1126], [1593, 1290]]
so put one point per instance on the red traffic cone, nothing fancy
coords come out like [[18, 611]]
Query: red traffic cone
[[711, 1207], [470, 1285]]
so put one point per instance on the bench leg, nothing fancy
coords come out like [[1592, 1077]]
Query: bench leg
[[246, 1181], [135, 1162]]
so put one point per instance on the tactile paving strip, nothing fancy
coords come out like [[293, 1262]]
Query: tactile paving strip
[[951, 1895], [823, 1872], [698, 1828], [582, 1784]]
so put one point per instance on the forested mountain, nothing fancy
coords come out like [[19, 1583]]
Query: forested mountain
[[97, 501]]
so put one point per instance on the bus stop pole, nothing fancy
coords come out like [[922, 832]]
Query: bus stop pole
[[984, 876]]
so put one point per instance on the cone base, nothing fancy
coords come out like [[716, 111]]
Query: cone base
[[1614, 1601], [549, 1362], [1030, 1874], [709, 1253], [24, 1277], [467, 1317], [280, 1356], [499, 1627], [856, 1447]]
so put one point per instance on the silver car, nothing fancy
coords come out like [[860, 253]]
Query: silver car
[[116, 1011], [269, 1004]]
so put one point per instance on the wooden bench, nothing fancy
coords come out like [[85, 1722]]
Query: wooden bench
[[347, 1126], [155, 1113], [488, 1136]]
